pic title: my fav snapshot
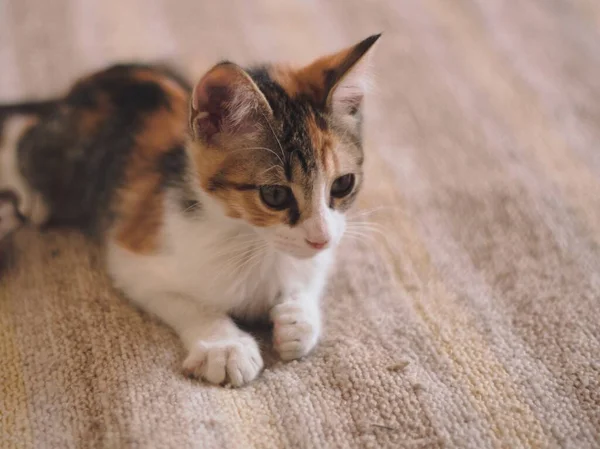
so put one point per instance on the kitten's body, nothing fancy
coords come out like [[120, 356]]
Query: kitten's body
[[216, 211]]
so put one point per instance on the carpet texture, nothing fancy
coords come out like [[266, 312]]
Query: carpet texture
[[467, 316]]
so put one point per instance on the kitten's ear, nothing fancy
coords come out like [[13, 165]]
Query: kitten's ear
[[226, 102], [339, 80]]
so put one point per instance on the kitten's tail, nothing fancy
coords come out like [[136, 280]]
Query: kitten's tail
[[27, 108]]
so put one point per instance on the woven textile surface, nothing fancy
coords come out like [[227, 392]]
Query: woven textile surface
[[466, 316]]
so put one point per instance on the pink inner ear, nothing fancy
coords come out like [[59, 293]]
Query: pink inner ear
[[209, 103], [205, 126], [224, 102]]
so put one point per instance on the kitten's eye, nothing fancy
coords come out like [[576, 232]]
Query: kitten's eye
[[342, 186], [276, 197]]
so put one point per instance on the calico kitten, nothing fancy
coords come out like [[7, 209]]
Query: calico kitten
[[225, 200]]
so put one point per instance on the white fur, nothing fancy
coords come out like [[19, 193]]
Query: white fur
[[351, 90], [213, 266], [31, 204]]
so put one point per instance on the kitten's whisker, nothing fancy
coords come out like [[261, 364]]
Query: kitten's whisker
[[246, 252], [396, 209], [238, 243], [259, 148], [361, 237], [196, 205], [271, 168], [239, 257], [256, 257], [234, 249], [225, 268], [257, 261], [235, 256], [381, 231], [369, 212], [257, 253], [274, 135], [369, 227], [364, 222], [366, 225], [358, 232]]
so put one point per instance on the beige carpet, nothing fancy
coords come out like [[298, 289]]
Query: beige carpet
[[474, 324]]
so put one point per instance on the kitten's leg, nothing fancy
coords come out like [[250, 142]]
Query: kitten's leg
[[297, 322], [30, 203], [217, 349], [9, 217]]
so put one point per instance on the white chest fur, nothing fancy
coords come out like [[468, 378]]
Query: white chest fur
[[221, 265]]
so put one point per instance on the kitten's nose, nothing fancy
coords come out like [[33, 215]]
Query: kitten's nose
[[317, 245]]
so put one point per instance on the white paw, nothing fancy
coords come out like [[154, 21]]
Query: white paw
[[295, 330], [235, 360]]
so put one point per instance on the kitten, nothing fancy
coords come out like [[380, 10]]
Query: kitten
[[225, 200]]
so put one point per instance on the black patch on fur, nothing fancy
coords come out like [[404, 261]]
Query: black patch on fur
[[77, 173], [331, 76], [302, 159], [291, 116], [293, 213], [82, 98], [321, 122], [287, 168], [173, 165], [27, 108]]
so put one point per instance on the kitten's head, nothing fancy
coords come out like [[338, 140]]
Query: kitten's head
[[281, 148]]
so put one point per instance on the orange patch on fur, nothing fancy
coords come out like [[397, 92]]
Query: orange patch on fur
[[286, 77], [317, 138], [89, 120], [141, 201], [235, 168], [319, 78], [172, 88], [248, 205], [297, 82], [323, 143], [330, 156], [314, 74], [140, 214], [309, 80]]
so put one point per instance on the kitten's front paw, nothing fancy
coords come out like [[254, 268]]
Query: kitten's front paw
[[236, 360], [295, 330]]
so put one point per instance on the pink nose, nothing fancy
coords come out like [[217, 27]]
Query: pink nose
[[317, 245]]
